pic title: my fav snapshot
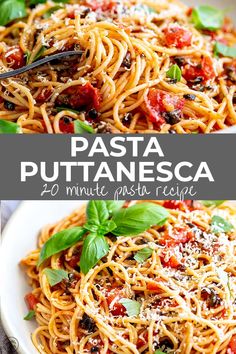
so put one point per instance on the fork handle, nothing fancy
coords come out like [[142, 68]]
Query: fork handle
[[39, 62]]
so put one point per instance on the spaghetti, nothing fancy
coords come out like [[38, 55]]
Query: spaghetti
[[120, 82], [185, 287]]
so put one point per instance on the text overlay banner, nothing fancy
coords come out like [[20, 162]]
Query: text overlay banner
[[118, 167]]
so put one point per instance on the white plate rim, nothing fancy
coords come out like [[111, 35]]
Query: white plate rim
[[4, 320], [7, 323]]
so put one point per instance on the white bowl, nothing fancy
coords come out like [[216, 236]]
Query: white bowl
[[19, 238]]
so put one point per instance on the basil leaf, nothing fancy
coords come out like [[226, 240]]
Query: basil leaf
[[106, 227], [49, 12], [27, 54], [29, 315], [64, 108], [97, 212], [209, 203], [60, 241], [82, 127], [35, 2], [90, 226], [220, 48], [219, 224], [11, 10], [143, 254], [158, 351], [7, 127], [139, 218], [207, 17], [94, 248], [40, 53], [132, 306], [174, 72], [55, 276], [114, 205]]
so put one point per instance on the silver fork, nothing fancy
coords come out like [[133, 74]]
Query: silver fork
[[39, 62]]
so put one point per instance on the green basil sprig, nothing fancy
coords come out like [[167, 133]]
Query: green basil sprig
[[104, 217], [207, 17], [60, 242], [11, 10], [226, 51], [82, 127], [55, 276], [97, 216], [158, 351], [30, 315], [114, 205], [95, 247], [174, 73], [132, 307], [7, 127], [64, 108], [97, 212], [37, 56], [125, 222], [210, 203], [36, 2], [139, 218], [219, 224], [143, 254]]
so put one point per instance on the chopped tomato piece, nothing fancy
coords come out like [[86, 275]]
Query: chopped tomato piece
[[153, 286], [104, 5], [232, 345], [189, 11], [178, 37], [31, 301], [172, 262], [142, 340], [66, 126], [173, 204], [182, 205], [43, 95], [177, 204], [114, 295], [81, 97], [159, 102], [205, 70], [176, 236], [71, 15], [15, 57]]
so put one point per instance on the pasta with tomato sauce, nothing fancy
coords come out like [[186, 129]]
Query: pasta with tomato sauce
[[170, 288], [144, 67]]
